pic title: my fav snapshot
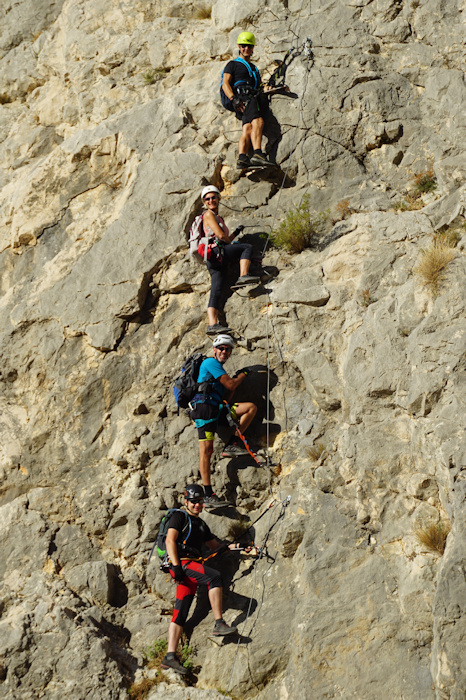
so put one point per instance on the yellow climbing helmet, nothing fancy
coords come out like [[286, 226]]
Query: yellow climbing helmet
[[246, 38]]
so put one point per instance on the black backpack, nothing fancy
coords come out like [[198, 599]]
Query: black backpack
[[186, 386]]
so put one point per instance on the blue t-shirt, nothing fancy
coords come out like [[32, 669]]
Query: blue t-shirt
[[212, 369]]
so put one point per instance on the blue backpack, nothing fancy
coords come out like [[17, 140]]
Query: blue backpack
[[253, 73]]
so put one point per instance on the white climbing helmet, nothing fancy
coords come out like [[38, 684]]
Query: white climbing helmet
[[224, 339], [209, 188]]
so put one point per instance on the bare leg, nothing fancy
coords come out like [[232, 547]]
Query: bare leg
[[174, 636], [245, 412], [212, 315], [245, 139], [206, 447], [215, 598], [256, 132], [244, 266]]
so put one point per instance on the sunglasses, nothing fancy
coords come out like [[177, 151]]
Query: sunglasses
[[208, 199], [224, 348], [245, 46], [196, 500]]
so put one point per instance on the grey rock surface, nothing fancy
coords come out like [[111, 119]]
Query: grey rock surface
[[110, 125]]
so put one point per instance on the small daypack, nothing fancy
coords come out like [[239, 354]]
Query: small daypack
[[186, 386], [201, 247], [160, 543], [196, 236]]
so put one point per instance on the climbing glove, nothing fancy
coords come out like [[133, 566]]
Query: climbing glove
[[244, 371], [237, 231], [178, 573]]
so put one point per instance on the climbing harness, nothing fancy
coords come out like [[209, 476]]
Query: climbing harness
[[241, 88]]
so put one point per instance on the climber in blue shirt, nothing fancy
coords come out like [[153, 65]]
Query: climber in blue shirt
[[209, 411]]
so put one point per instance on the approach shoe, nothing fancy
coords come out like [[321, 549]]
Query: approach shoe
[[242, 163], [170, 661], [260, 159], [218, 328], [244, 280], [214, 501], [221, 629], [236, 449]]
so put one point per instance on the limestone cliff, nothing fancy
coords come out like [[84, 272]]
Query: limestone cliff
[[110, 125]]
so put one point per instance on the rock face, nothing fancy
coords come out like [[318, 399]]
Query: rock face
[[110, 125]]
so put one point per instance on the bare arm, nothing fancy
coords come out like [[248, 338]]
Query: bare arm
[[228, 90], [215, 544], [211, 222], [170, 542], [231, 384], [227, 86]]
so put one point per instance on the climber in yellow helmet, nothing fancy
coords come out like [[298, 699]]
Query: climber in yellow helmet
[[242, 92]]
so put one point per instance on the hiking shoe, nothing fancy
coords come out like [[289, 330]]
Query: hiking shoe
[[214, 501], [243, 162], [173, 663], [221, 629], [217, 328], [234, 450], [246, 279], [260, 159], [262, 273], [266, 276]]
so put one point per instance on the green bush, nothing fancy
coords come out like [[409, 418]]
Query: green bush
[[425, 182], [300, 228], [155, 652]]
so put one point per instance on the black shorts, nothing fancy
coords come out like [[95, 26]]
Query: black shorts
[[207, 418], [256, 107]]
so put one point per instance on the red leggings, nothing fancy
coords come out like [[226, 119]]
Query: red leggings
[[195, 574]]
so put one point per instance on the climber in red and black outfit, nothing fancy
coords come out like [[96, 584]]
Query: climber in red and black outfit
[[186, 536]]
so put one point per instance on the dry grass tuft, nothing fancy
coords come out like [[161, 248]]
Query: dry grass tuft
[[411, 202], [316, 451], [366, 299], [203, 12], [434, 536], [342, 211], [450, 236], [238, 528], [433, 263], [139, 691]]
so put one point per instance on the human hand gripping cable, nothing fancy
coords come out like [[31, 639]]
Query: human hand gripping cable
[[244, 371], [232, 546], [236, 232]]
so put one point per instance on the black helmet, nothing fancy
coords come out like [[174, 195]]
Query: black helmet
[[193, 491]]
